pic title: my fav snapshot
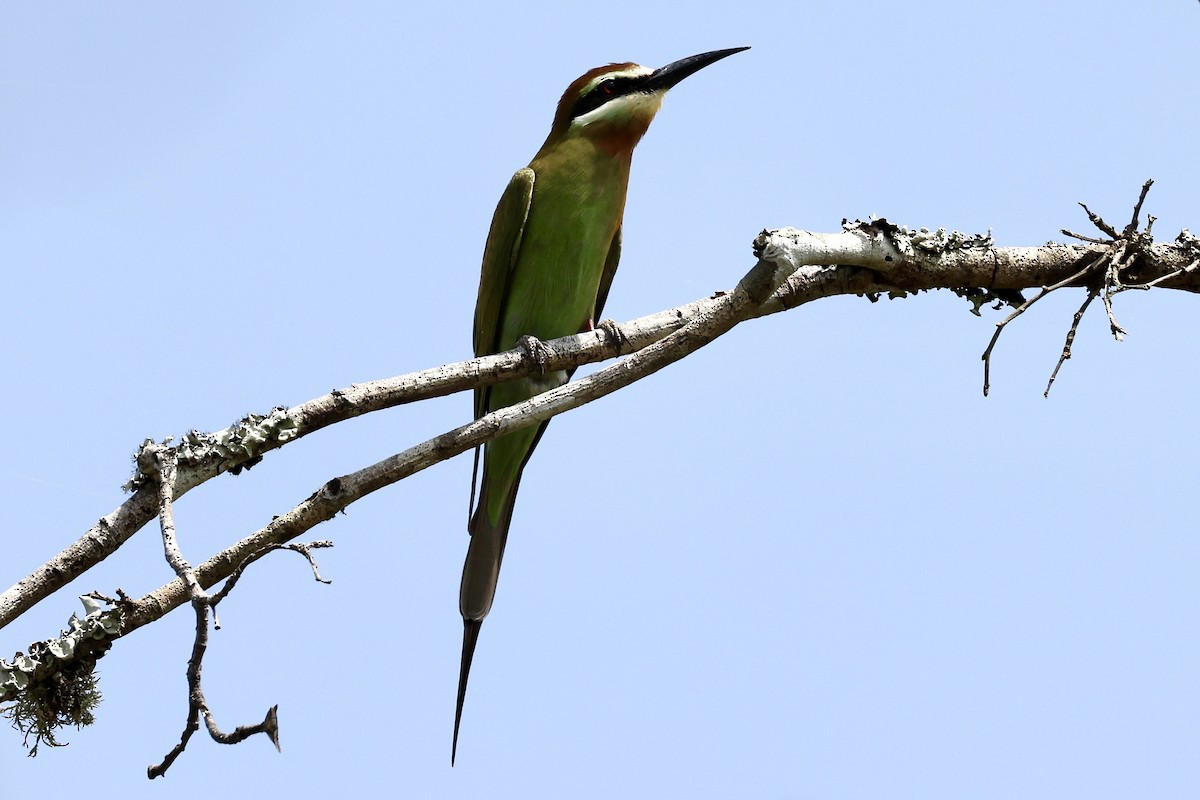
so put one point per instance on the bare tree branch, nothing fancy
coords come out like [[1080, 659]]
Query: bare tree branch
[[872, 258], [794, 267]]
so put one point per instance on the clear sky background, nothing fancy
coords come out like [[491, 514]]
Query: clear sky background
[[811, 561]]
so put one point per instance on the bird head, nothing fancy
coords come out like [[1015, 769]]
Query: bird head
[[614, 105]]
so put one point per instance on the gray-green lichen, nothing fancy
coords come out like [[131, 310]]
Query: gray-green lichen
[[939, 241], [55, 687], [244, 442], [909, 241]]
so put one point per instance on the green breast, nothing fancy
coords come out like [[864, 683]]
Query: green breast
[[578, 200]]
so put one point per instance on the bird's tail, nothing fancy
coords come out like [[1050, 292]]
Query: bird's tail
[[470, 636], [481, 572]]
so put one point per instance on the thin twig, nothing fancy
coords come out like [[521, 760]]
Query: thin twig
[[1081, 237], [1021, 309], [1132, 227], [298, 547], [1100, 223], [1066, 351], [1192, 267], [306, 551], [1112, 281]]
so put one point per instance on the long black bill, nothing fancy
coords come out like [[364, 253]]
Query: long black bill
[[673, 73]]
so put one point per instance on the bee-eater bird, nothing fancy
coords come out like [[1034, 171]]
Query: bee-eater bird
[[548, 263]]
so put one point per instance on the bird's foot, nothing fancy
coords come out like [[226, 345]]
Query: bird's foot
[[535, 349], [616, 337]]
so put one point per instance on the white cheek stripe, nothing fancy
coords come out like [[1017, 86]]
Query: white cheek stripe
[[628, 103]]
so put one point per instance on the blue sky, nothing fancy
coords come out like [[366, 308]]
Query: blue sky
[[811, 561]]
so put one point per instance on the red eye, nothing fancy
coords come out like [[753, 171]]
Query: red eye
[[607, 88]]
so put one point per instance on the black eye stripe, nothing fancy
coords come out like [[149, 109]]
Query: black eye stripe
[[606, 90]]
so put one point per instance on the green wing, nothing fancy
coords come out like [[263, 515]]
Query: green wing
[[499, 262], [606, 278]]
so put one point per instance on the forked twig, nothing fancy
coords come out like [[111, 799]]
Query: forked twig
[[1120, 250], [160, 461]]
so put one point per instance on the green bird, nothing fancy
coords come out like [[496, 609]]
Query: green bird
[[549, 261]]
